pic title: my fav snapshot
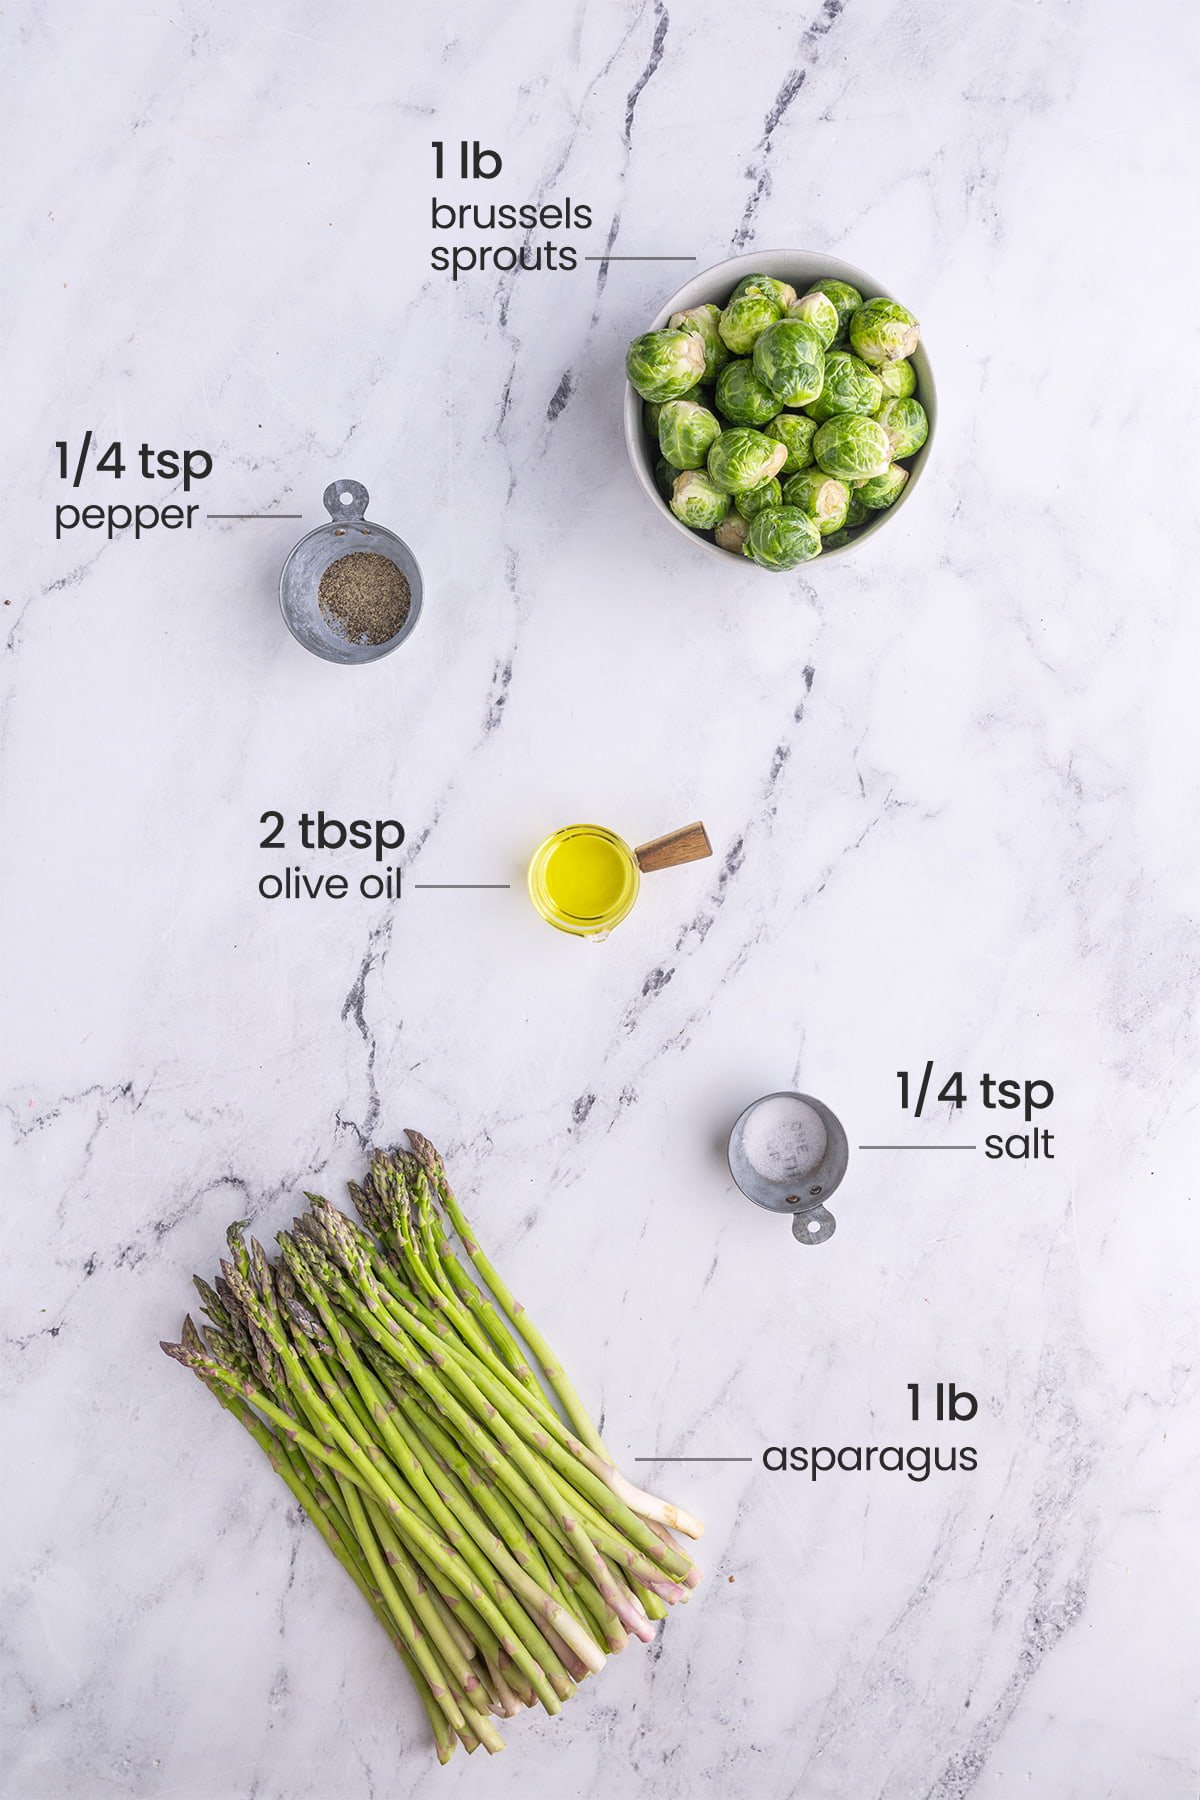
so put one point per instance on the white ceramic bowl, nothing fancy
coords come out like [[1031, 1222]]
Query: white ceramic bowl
[[801, 268]]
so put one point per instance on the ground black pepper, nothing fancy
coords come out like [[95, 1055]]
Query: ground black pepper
[[364, 597]]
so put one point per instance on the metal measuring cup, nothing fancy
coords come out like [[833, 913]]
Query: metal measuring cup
[[805, 1192], [349, 530]]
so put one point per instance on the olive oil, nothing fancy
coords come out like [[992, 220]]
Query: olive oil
[[584, 879]]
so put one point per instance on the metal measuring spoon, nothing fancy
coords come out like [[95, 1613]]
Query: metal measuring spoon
[[805, 1190], [349, 530]]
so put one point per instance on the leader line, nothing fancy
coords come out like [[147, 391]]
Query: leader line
[[918, 1146], [662, 1459]]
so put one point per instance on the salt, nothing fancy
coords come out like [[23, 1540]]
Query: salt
[[784, 1139]]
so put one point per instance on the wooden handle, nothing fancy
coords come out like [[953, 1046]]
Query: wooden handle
[[688, 844]]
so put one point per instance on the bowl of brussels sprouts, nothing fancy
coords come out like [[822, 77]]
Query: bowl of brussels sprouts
[[780, 407]]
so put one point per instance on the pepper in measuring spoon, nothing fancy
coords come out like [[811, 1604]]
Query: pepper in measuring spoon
[[364, 597]]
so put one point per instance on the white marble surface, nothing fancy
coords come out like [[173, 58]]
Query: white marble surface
[[951, 787]]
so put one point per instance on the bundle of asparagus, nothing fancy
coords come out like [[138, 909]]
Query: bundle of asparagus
[[399, 1398]]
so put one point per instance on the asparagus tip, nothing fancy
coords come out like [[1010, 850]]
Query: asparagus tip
[[423, 1150]]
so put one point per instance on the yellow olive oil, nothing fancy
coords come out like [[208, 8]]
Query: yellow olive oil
[[584, 879]]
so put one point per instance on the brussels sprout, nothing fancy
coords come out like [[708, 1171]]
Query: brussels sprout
[[851, 447], [686, 433], [769, 494], [817, 310], [836, 539], [858, 512], [782, 537], [663, 365], [822, 498], [847, 300], [664, 478], [697, 502], [782, 292], [703, 320], [850, 387], [899, 379], [731, 533], [905, 424], [742, 459], [741, 397], [796, 433], [883, 331], [789, 358], [651, 409], [883, 489], [744, 318]]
